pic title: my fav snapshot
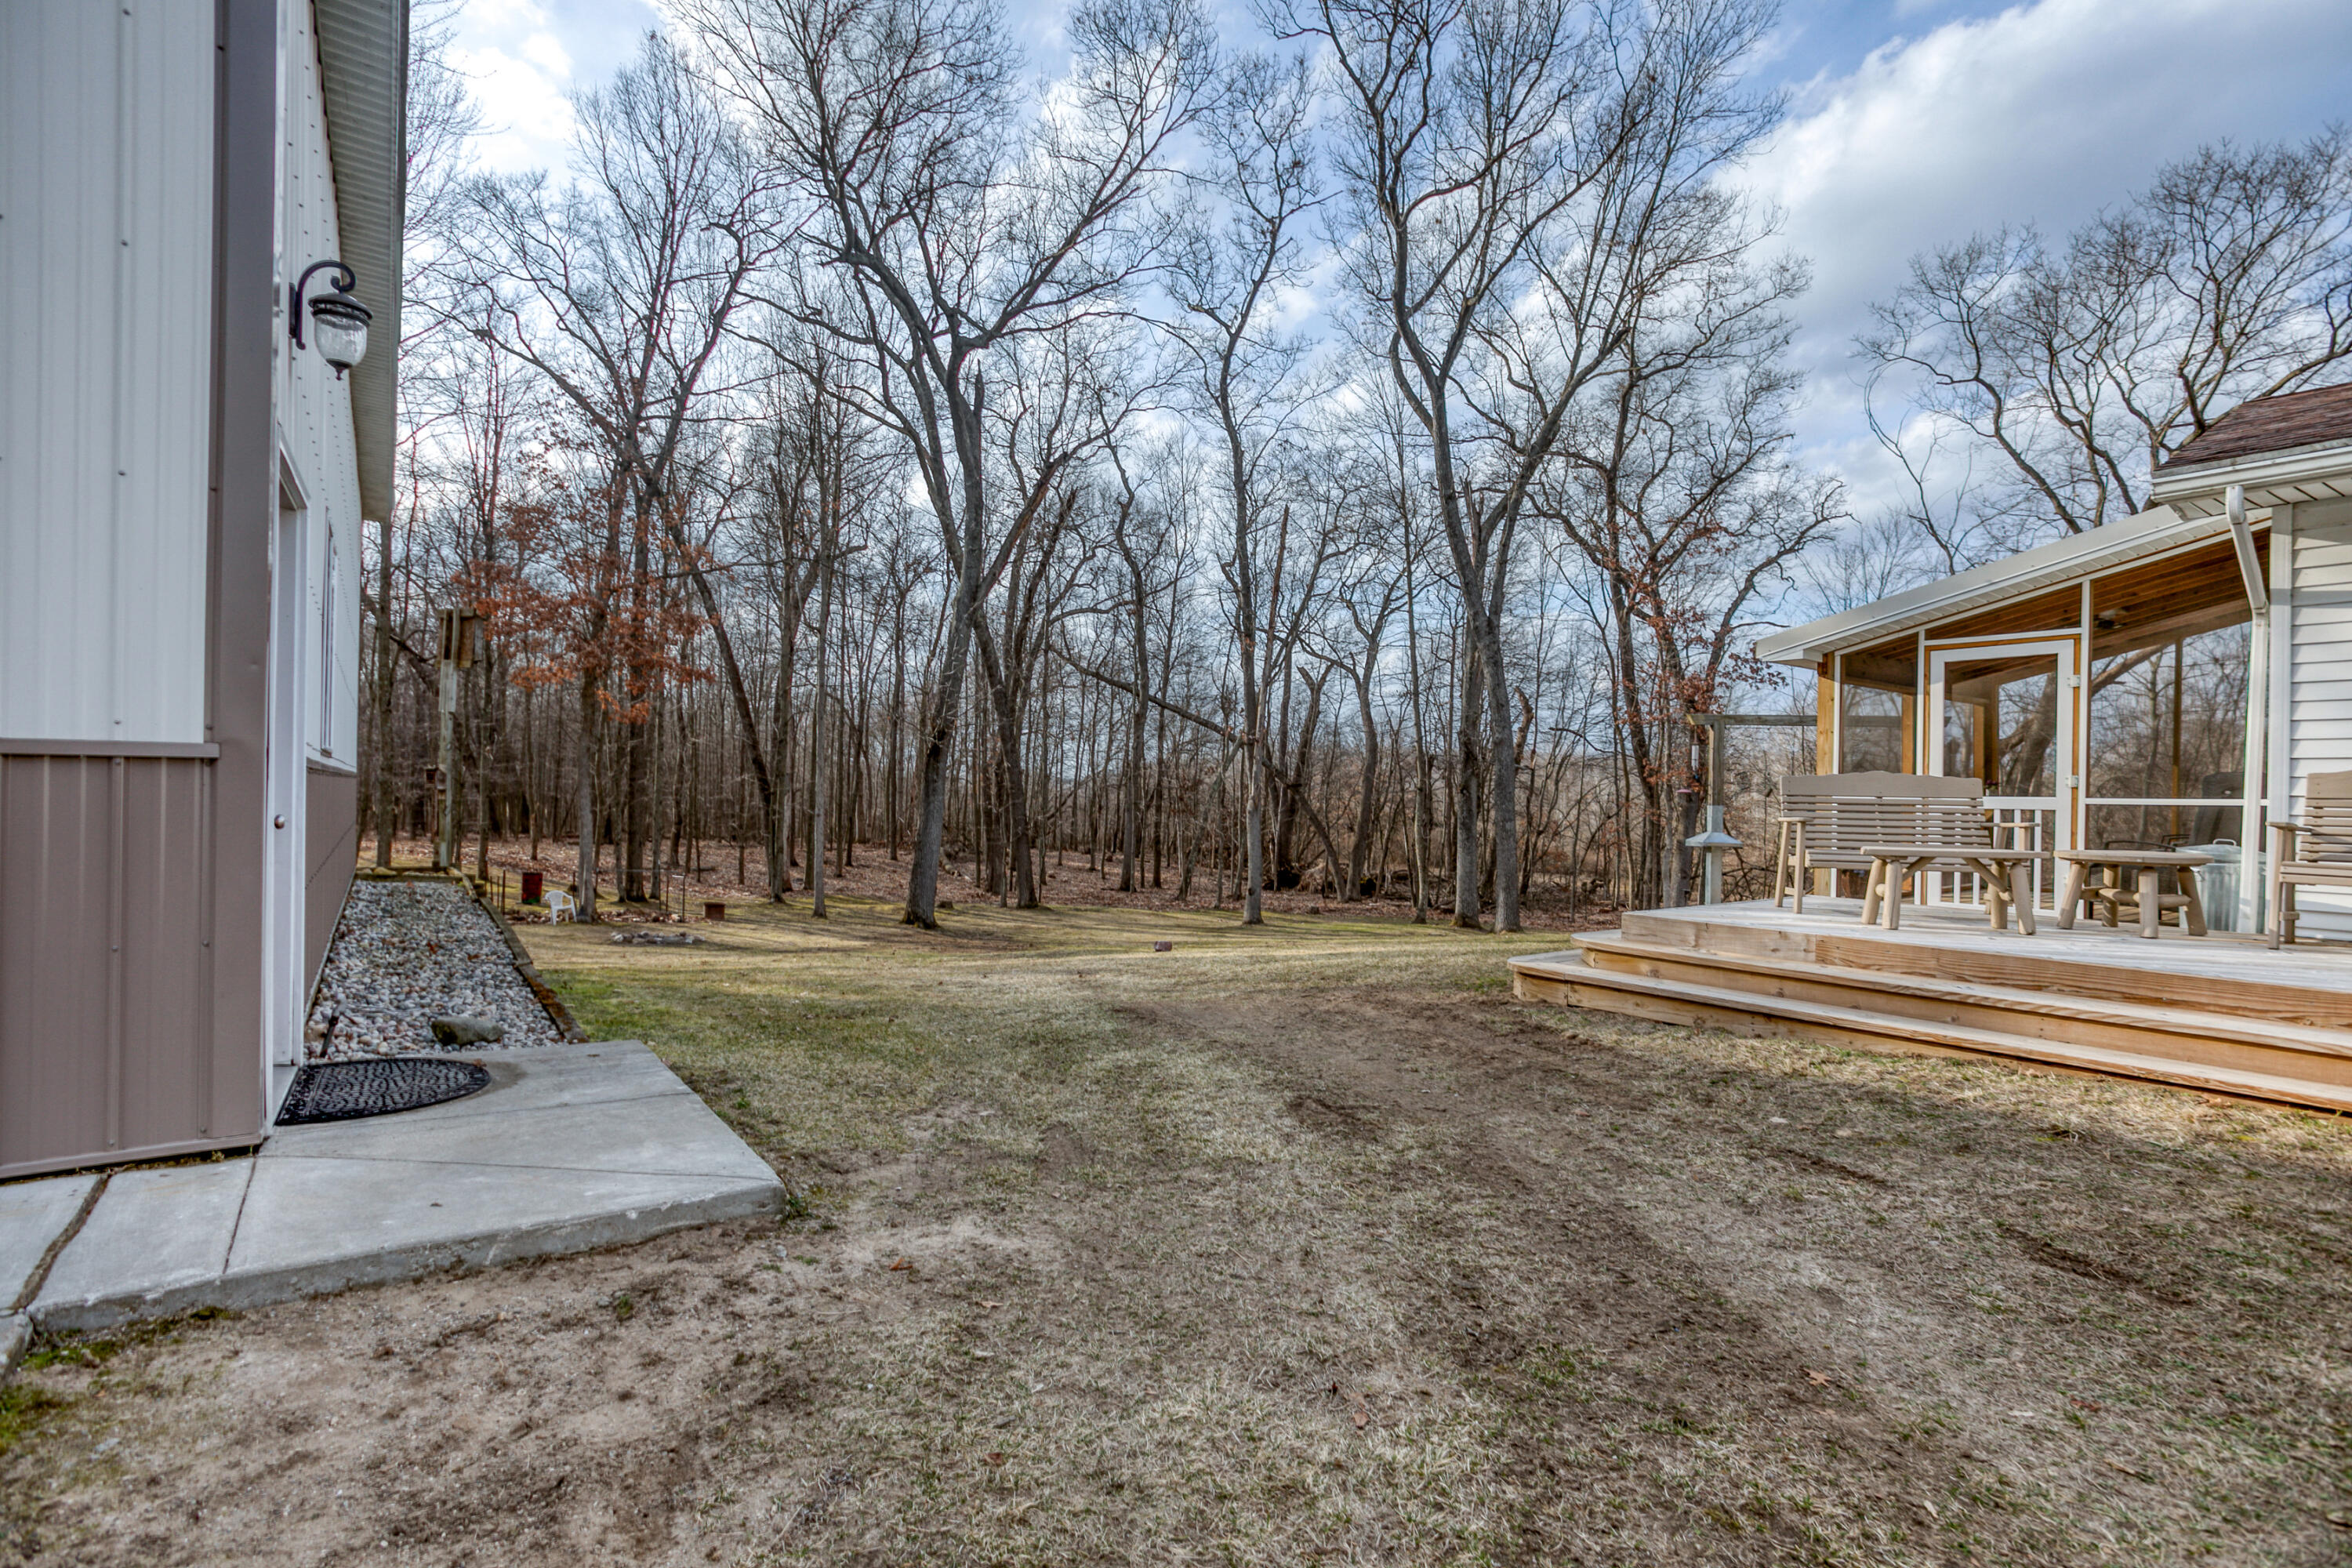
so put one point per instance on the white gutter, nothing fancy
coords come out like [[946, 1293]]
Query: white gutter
[[2262, 703]]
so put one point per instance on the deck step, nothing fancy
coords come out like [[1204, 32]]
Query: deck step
[[1568, 978], [2018, 1009]]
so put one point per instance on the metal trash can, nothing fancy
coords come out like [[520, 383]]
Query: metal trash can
[[2218, 884]]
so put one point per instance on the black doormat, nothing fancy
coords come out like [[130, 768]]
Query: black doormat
[[339, 1091]]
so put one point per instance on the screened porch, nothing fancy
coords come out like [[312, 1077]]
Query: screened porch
[[2103, 701]]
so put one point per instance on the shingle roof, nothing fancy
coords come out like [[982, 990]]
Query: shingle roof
[[2266, 425]]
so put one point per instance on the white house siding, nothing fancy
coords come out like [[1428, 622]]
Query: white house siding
[[2319, 707], [314, 413], [106, 211]]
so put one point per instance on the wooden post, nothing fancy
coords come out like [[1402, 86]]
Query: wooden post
[[1828, 695], [1825, 717]]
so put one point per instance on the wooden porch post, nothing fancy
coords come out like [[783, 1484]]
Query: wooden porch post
[[1827, 701]]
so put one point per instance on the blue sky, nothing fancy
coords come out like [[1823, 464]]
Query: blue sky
[[1912, 122]]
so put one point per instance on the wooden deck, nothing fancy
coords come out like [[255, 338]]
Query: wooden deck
[[2219, 1012]]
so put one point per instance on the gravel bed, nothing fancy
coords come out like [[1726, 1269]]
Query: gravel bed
[[405, 953]]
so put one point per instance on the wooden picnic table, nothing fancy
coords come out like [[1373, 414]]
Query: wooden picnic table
[[2141, 899], [2008, 875]]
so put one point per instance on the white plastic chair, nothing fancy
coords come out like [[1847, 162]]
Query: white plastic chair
[[561, 906]]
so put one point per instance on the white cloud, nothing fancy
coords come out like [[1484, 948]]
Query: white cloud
[[525, 57], [2043, 113], [525, 116], [550, 56], [503, 17]]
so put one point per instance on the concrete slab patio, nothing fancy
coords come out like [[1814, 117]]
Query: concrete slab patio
[[33, 1214], [570, 1147]]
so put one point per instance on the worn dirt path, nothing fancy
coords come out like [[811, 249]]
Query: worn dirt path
[[1283, 1259]]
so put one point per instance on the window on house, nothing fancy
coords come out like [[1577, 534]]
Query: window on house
[[327, 599]]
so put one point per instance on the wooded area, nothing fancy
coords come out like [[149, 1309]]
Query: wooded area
[[1344, 463]]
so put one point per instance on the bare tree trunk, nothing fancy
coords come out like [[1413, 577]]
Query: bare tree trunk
[[939, 739], [1420, 748], [1131, 793], [755, 753], [633, 823], [778, 826], [482, 746], [1366, 787], [1499, 737], [1465, 790], [1293, 782], [1014, 773], [380, 765], [816, 731], [893, 808], [586, 871]]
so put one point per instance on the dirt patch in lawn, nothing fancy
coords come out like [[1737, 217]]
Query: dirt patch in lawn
[[1303, 1245]]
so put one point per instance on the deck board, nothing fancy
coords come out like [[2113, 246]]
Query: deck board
[[2222, 955]]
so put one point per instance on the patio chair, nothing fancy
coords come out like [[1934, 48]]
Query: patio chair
[[2315, 852], [561, 906]]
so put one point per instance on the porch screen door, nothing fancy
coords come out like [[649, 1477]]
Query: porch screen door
[[2007, 714]]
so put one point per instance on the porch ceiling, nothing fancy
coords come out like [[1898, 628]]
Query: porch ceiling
[[1958, 604]]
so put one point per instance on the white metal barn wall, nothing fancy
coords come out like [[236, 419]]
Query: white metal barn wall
[[314, 413], [317, 444], [106, 211], [138, 148], [2319, 706]]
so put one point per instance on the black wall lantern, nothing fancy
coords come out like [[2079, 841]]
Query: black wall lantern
[[338, 322]]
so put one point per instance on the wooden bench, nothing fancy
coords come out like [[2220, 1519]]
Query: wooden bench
[[2315, 852], [1889, 825]]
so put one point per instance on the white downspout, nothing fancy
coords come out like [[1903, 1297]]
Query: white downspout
[[2259, 706]]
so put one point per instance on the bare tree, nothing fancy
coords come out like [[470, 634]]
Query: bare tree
[[963, 222], [1241, 250], [1684, 504], [618, 290], [2079, 369], [1059, 402], [1368, 599], [1489, 150], [441, 121], [942, 438], [1136, 547]]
